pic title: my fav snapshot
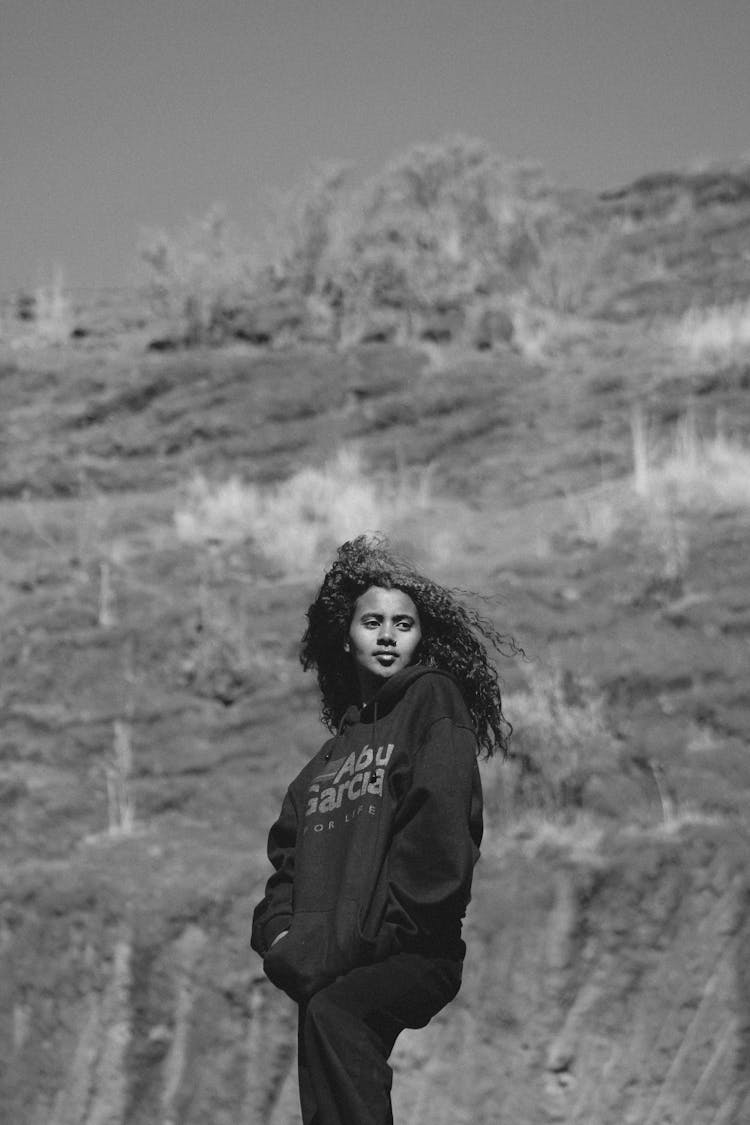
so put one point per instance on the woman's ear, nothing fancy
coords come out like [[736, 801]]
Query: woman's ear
[[346, 646]]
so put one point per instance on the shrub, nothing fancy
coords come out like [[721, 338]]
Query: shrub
[[48, 315], [222, 661], [304, 223], [441, 224], [561, 740], [569, 270], [197, 274]]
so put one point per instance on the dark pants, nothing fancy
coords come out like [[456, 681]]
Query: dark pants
[[347, 1031]]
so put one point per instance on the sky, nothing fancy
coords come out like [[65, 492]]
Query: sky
[[120, 115]]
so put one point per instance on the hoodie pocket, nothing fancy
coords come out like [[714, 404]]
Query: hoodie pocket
[[320, 946]]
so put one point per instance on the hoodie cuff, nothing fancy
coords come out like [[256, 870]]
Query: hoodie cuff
[[274, 927]]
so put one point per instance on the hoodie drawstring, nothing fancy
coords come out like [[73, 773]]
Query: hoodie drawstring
[[352, 715]]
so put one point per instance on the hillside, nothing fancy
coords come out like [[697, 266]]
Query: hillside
[[584, 466]]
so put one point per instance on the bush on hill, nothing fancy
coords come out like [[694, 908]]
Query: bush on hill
[[441, 227], [421, 250], [197, 274]]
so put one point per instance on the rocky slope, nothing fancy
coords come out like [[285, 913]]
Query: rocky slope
[[152, 711], [604, 987]]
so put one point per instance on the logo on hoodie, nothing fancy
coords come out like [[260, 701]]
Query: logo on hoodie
[[357, 776]]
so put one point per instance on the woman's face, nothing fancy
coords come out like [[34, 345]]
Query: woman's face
[[383, 636]]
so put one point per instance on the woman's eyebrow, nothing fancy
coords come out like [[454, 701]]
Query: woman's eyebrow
[[381, 616]]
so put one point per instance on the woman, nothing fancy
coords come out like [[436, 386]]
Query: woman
[[378, 836]]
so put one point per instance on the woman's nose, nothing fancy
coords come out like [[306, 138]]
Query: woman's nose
[[386, 635]]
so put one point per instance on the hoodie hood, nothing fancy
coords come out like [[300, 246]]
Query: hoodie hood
[[387, 697]]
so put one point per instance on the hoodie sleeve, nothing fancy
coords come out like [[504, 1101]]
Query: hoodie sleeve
[[435, 844], [273, 914]]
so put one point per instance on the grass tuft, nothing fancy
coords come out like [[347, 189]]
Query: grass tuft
[[579, 834], [118, 773], [718, 333], [692, 471]]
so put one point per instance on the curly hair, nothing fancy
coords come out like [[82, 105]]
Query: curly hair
[[454, 637]]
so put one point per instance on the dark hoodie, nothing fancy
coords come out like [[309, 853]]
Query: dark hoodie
[[377, 839]]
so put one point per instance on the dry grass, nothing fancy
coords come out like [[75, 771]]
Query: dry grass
[[297, 523], [118, 772], [690, 471], [674, 820], [579, 835], [54, 314], [676, 477], [596, 517], [51, 316], [718, 333]]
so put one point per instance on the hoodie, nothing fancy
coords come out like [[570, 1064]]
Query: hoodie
[[375, 846]]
